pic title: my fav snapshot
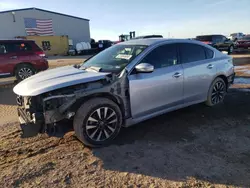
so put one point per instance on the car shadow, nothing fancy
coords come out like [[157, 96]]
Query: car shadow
[[7, 96], [210, 144]]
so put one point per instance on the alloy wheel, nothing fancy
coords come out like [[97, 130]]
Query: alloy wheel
[[101, 124], [218, 92], [25, 73]]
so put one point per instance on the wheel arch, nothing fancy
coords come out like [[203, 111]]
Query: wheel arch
[[116, 99], [22, 63], [222, 76]]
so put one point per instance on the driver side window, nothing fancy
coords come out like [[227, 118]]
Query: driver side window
[[162, 56], [3, 49]]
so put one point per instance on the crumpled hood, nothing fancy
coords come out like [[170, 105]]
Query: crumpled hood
[[54, 79]]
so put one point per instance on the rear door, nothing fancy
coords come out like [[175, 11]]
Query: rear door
[[22, 50], [199, 71]]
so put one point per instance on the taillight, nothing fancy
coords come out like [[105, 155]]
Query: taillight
[[40, 53]]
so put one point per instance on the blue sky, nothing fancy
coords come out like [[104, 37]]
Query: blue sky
[[171, 18]]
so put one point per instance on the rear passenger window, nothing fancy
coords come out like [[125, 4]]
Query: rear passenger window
[[191, 52], [19, 47], [163, 56], [209, 53]]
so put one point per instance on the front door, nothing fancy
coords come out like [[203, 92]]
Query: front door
[[7, 60], [221, 43], [226, 43], [161, 89]]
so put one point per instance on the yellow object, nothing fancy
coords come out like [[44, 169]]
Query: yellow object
[[52, 45]]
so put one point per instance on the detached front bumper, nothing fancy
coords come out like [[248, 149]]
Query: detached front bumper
[[31, 124]]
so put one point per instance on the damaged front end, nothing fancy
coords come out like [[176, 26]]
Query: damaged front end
[[30, 114], [40, 114]]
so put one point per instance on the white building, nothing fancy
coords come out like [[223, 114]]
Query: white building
[[13, 24]]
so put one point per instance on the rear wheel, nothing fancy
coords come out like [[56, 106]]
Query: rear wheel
[[24, 71], [217, 92], [97, 122]]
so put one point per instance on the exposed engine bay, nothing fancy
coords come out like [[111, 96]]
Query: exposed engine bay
[[39, 114]]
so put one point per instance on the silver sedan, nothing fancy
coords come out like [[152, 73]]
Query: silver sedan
[[125, 84]]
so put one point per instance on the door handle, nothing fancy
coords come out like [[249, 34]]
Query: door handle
[[13, 57], [210, 66], [177, 75]]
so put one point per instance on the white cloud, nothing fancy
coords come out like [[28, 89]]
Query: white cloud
[[8, 6]]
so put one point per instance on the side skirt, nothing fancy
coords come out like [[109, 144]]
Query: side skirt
[[131, 121]]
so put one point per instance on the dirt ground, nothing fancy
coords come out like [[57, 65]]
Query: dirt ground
[[193, 147]]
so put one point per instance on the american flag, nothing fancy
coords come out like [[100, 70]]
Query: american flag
[[42, 27]]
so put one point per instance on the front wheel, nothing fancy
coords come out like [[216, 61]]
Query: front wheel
[[97, 122], [217, 92], [230, 49]]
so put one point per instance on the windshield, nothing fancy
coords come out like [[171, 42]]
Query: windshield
[[115, 58]]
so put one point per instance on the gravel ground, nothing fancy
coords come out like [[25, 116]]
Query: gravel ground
[[193, 147]]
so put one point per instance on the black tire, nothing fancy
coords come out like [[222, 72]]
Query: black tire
[[24, 69], [82, 119], [230, 49], [220, 93]]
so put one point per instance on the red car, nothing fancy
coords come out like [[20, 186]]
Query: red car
[[243, 44], [21, 58]]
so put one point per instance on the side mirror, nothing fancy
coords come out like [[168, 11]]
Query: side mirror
[[144, 68]]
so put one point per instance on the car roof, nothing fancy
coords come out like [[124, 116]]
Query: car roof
[[210, 35], [154, 41], [149, 36], [15, 40]]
